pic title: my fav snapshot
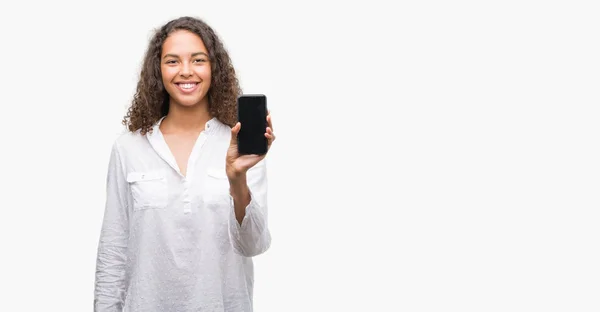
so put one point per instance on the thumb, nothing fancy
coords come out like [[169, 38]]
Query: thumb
[[234, 132]]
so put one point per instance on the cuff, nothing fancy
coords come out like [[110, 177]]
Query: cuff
[[233, 223]]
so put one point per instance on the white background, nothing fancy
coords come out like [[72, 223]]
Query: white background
[[431, 155]]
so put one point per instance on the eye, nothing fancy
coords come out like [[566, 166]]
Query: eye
[[170, 62], [200, 60]]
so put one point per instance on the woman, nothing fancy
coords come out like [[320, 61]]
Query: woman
[[184, 212]]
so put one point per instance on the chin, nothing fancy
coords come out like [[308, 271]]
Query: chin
[[189, 102]]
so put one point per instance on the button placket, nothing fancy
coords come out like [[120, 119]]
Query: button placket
[[187, 207], [186, 196]]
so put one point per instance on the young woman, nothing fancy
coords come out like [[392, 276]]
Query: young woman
[[185, 213]]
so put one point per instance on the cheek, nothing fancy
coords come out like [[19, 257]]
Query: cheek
[[169, 72], [204, 73], [166, 75]]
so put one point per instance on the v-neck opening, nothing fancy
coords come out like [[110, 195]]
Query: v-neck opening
[[160, 145]]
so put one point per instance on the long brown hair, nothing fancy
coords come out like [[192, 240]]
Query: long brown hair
[[151, 100]]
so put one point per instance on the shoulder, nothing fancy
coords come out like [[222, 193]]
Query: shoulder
[[128, 141], [221, 128], [127, 137], [221, 131]]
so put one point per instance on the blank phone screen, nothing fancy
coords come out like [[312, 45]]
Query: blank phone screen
[[252, 114]]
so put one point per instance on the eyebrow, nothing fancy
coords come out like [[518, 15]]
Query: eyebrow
[[177, 56]]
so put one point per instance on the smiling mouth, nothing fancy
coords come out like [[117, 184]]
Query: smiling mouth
[[187, 86]]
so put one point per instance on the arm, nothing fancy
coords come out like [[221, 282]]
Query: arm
[[248, 228], [109, 292]]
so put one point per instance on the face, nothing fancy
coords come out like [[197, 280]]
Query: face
[[185, 69]]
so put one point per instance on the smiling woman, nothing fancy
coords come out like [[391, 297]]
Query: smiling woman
[[185, 46], [185, 74], [185, 212]]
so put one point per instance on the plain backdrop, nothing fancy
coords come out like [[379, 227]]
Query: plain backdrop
[[431, 155]]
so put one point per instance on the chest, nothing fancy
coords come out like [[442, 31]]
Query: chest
[[181, 147], [201, 182]]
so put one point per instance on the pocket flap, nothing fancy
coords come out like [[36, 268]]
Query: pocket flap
[[144, 176]]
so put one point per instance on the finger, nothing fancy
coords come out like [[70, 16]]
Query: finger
[[270, 133], [270, 139], [269, 122], [234, 132]]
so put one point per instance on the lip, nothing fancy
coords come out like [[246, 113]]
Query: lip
[[187, 91]]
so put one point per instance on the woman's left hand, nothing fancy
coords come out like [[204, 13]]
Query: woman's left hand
[[236, 164]]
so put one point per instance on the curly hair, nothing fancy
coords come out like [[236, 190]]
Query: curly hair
[[151, 100]]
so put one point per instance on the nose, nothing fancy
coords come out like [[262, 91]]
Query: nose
[[186, 70]]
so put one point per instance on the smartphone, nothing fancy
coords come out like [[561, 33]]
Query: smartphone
[[252, 114]]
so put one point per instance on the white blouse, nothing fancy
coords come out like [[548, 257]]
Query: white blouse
[[172, 243]]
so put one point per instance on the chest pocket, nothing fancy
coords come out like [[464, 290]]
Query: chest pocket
[[148, 189], [216, 188]]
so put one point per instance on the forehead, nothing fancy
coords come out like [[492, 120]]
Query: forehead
[[183, 42]]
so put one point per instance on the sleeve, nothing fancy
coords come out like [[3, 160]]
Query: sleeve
[[252, 237], [109, 292]]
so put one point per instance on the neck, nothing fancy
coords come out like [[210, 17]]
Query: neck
[[181, 119]]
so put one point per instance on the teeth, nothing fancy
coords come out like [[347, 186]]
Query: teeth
[[187, 85]]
